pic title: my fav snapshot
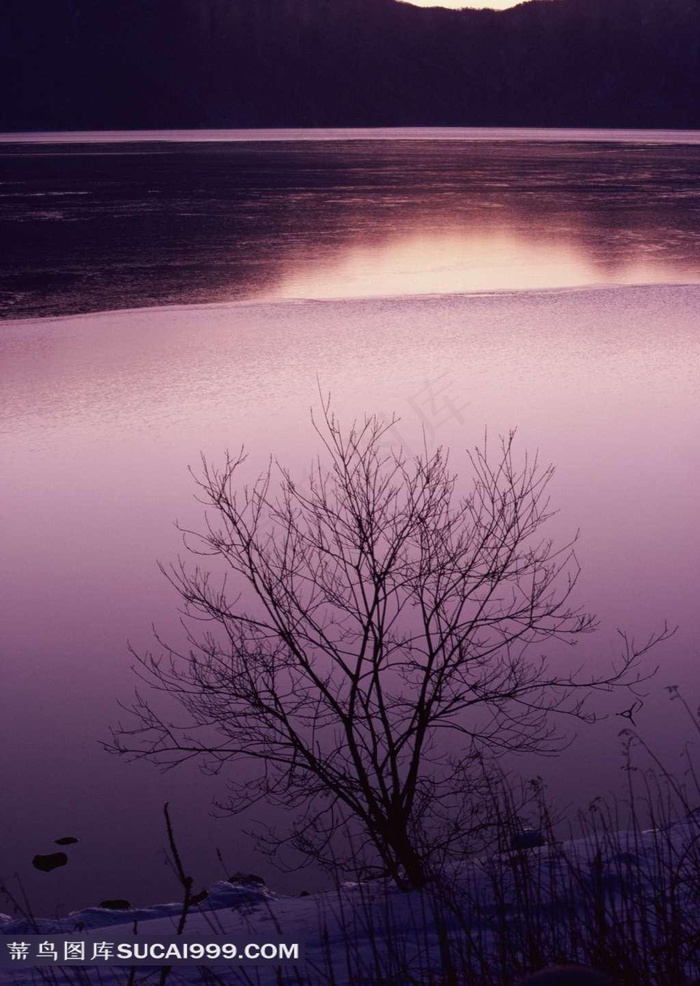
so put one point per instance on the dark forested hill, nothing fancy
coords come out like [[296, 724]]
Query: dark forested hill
[[244, 63]]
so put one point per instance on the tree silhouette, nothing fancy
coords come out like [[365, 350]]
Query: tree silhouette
[[374, 641]]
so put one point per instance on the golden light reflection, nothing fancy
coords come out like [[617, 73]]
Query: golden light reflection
[[450, 262], [459, 4]]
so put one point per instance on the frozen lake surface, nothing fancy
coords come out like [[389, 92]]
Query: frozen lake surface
[[102, 415], [462, 280]]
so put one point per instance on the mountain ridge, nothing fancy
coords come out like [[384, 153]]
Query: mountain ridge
[[131, 64]]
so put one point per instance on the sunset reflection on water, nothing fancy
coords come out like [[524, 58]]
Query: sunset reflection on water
[[458, 262]]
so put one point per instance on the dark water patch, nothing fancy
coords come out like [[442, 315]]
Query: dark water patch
[[94, 228]]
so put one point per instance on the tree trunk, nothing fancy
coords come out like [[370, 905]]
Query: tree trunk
[[411, 873]]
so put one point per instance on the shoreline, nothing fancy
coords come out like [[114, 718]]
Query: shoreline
[[346, 302], [616, 135]]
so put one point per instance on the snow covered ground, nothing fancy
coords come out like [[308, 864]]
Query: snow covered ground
[[568, 895]]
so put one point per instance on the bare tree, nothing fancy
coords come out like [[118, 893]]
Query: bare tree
[[384, 639]]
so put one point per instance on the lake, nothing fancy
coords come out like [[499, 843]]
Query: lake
[[116, 224], [177, 294]]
